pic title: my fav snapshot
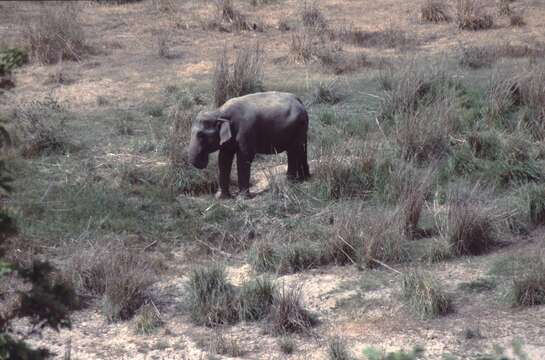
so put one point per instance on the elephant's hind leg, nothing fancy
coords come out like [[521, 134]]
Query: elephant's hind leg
[[292, 165], [303, 172]]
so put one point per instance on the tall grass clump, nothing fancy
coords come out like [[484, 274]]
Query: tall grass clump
[[528, 288], [119, 275], [56, 34], [226, 12], [312, 16], [529, 93], [369, 236], [468, 225], [212, 299], [288, 314], [536, 205], [424, 295], [41, 126], [338, 350], [256, 298], [471, 16], [244, 76], [435, 11]]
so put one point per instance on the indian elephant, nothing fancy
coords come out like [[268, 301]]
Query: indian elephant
[[265, 123]]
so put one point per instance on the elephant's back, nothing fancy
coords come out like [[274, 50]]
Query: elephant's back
[[266, 103]]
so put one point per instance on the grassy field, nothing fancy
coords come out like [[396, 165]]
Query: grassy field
[[422, 225]]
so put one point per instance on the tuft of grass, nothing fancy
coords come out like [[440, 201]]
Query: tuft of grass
[[287, 345], [528, 288], [536, 205], [435, 11], [469, 227], [423, 293], [333, 59], [212, 299], [504, 7], [471, 16], [288, 314], [226, 12], [56, 34], [338, 350], [302, 46], [256, 298], [119, 275], [41, 125], [147, 320], [263, 257], [326, 92], [222, 346], [517, 19], [438, 251], [244, 76], [312, 17], [297, 256], [378, 236]]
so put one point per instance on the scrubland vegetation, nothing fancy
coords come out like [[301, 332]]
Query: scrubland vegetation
[[421, 227]]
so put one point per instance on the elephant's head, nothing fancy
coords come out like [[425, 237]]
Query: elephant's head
[[208, 133]]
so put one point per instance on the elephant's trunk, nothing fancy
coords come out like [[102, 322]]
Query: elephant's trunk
[[197, 156]]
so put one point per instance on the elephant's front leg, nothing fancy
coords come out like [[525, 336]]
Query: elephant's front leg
[[244, 164], [225, 162]]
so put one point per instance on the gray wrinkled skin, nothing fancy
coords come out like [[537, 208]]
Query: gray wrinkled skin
[[260, 123]]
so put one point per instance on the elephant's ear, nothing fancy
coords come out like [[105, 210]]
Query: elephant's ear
[[225, 131]]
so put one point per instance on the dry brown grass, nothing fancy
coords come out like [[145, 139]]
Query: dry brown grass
[[244, 76], [118, 274], [469, 226], [517, 19], [41, 128], [288, 314], [471, 16], [56, 34], [435, 11]]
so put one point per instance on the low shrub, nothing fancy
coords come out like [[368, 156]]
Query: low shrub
[[424, 295], [11, 58]]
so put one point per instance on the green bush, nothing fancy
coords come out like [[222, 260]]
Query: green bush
[[11, 58]]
